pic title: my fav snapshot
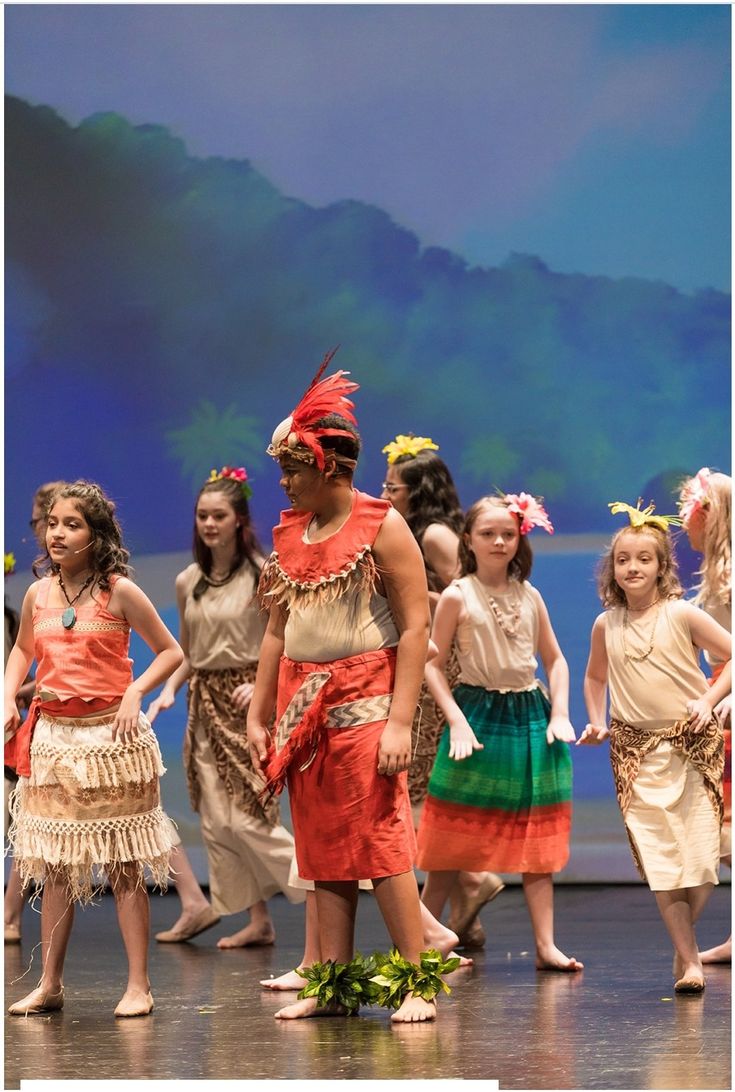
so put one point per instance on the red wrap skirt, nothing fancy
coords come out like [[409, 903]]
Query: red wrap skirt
[[350, 822]]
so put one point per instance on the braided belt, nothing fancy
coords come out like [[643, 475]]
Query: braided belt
[[348, 715]]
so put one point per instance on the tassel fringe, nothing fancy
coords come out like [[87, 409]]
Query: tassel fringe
[[276, 586]]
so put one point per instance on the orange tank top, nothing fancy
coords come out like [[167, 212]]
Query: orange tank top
[[91, 660]]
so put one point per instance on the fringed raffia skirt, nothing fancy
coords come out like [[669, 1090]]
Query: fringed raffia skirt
[[90, 805]]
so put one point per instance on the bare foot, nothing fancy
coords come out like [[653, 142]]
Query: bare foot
[[692, 979], [722, 953], [552, 959], [135, 1003], [301, 1010], [440, 936], [191, 923], [414, 1010], [252, 936], [291, 980]]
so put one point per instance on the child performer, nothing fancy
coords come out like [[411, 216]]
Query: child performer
[[500, 792], [220, 629], [419, 485], [666, 746], [89, 764], [342, 658], [705, 511]]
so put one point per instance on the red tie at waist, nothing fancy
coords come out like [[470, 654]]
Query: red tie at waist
[[18, 748]]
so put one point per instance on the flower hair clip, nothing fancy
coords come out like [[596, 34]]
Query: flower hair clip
[[236, 474], [530, 511], [9, 564], [639, 517], [695, 495], [408, 445]]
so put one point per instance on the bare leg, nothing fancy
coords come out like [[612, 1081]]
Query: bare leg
[[678, 911], [721, 953], [196, 912], [436, 891], [259, 931], [336, 906], [133, 916], [57, 918], [15, 898], [398, 900], [292, 980], [538, 889]]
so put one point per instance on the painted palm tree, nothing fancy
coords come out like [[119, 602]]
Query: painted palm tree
[[215, 438]]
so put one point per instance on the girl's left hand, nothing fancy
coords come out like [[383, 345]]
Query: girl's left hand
[[242, 695], [700, 713], [125, 725], [560, 728], [723, 710]]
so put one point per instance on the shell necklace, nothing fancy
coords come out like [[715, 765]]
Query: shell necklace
[[639, 657], [508, 623], [69, 617]]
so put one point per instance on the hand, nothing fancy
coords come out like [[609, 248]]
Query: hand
[[394, 751], [258, 742], [594, 733], [12, 718], [560, 728], [125, 724], [723, 710], [158, 705], [462, 740], [700, 713], [241, 695]]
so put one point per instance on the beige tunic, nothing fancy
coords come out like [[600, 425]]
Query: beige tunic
[[670, 819], [356, 622], [487, 656], [249, 857]]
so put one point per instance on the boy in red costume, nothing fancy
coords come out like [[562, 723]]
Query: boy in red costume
[[341, 663]]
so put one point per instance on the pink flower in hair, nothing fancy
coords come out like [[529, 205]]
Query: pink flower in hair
[[694, 495], [531, 512]]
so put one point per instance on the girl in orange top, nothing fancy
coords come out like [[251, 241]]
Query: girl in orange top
[[88, 797]]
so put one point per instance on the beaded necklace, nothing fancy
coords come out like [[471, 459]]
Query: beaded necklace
[[638, 658], [508, 623]]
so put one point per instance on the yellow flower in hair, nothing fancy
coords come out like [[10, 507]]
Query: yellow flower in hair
[[408, 445], [9, 564], [638, 516]]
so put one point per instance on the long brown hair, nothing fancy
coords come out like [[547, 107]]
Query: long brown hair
[[249, 551], [107, 554], [519, 567]]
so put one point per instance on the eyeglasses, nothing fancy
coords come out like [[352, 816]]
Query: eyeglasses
[[388, 488]]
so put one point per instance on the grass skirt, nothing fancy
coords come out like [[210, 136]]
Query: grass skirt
[[507, 808], [89, 805]]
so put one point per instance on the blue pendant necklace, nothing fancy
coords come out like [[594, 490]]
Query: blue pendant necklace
[[69, 616]]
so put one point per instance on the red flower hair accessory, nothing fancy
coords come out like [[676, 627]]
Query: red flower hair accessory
[[530, 511], [694, 494], [298, 435], [237, 474]]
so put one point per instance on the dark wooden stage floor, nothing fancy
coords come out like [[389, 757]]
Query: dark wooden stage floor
[[617, 1025]]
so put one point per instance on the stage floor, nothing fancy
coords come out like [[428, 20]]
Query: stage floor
[[616, 1025]]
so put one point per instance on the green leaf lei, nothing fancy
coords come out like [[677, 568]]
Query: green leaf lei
[[396, 977], [347, 984]]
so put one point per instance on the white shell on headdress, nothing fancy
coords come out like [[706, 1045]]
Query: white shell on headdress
[[280, 433]]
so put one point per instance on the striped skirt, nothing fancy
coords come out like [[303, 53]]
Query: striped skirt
[[89, 805], [508, 807]]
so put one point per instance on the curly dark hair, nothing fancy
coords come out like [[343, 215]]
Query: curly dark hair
[[432, 495], [349, 446], [519, 567], [667, 581], [107, 554], [249, 551]]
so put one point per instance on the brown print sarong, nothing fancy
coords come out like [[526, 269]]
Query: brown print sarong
[[704, 749], [211, 709]]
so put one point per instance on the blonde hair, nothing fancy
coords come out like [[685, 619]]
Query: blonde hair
[[715, 573], [667, 581]]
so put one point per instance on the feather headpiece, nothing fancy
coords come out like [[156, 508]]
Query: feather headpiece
[[639, 517], [298, 435]]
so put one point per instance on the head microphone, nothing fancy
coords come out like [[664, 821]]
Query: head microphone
[[84, 547]]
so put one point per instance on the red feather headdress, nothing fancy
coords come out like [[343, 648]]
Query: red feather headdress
[[298, 435]]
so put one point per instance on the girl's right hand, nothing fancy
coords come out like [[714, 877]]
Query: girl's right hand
[[594, 734], [158, 705], [12, 719], [259, 739], [462, 741]]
